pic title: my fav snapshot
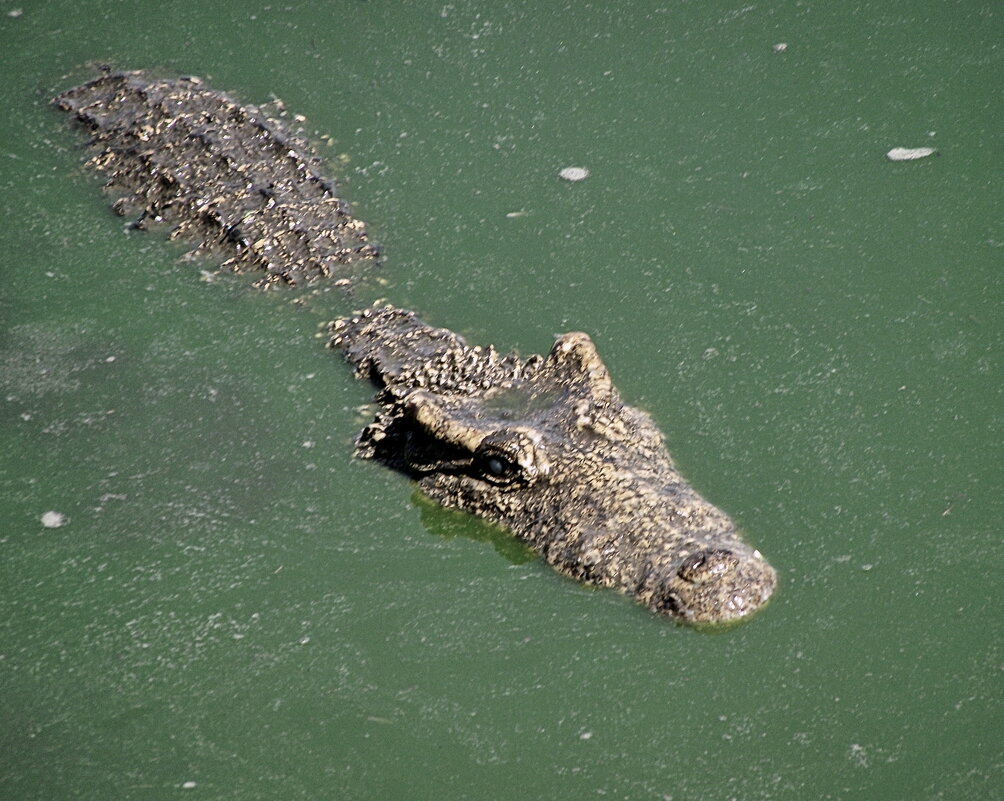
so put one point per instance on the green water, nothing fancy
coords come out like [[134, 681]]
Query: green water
[[236, 609]]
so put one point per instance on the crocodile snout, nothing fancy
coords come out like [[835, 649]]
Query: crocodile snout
[[716, 586]]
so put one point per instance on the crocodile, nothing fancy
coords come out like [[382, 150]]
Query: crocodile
[[543, 446]]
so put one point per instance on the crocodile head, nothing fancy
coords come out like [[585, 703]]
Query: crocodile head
[[546, 448]]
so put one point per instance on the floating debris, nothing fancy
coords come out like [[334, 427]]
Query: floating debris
[[574, 174], [780, 47], [53, 519], [910, 153]]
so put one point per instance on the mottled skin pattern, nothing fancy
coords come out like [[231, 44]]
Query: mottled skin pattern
[[546, 447], [543, 446], [223, 175]]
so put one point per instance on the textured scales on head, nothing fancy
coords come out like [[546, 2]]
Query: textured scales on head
[[546, 448]]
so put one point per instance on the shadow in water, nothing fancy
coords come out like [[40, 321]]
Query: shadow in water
[[450, 523]]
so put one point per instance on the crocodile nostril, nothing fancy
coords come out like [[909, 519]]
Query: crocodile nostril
[[706, 565]]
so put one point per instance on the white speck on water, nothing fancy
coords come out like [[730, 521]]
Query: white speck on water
[[52, 519], [112, 496], [780, 47], [586, 735], [574, 174], [309, 443], [189, 785], [304, 640], [910, 153]]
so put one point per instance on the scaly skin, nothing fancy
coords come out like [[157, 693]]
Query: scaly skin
[[546, 448], [225, 176], [543, 446]]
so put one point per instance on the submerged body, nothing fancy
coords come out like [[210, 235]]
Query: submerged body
[[543, 446]]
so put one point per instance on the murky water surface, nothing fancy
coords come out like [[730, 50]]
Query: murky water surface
[[235, 608]]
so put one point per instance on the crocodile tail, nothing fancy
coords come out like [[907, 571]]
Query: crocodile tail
[[225, 176]]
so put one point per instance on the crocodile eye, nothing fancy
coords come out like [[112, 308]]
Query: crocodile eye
[[496, 466], [508, 457]]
